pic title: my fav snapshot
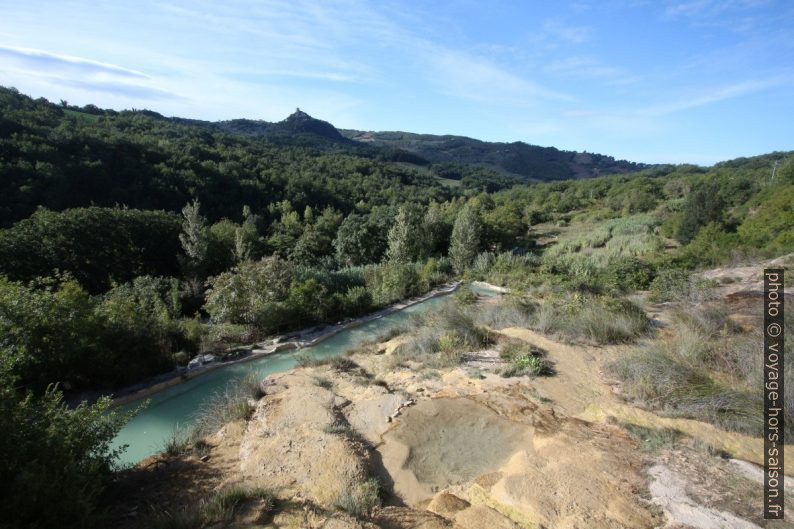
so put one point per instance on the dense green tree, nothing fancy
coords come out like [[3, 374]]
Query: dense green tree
[[392, 281], [95, 245], [286, 231], [770, 226], [407, 240], [194, 239], [359, 241], [465, 241], [243, 293], [785, 171], [703, 206], [436, 230], [503, 225], [315, 246], [62, 334], [75, 157]]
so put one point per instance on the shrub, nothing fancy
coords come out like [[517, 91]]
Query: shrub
[[510, 311], [323, 382], [679, 285], [512, 270], [770, 226], [65, 335], [357, 301], [653, 440], [525, 360], [709, 370], [360, 498], [629, 273], [343, 364], [464, 296], [618, 324], [220, 508], [240, 295], [56, 460], [390, 282], [442, 337], [435, 272], [658, 379], [596, 319], [193, 332], [703, 206], [229, 405]]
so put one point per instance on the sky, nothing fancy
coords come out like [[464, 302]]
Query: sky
[[656, 81]]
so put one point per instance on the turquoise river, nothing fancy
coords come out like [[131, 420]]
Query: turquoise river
[[175, 407]]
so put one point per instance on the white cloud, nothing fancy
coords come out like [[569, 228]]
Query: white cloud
[[587, 67], [44, 60], [716, 95], [79, 72]]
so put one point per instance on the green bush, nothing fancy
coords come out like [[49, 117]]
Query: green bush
[[711, 246], [231, 404], [510, 311], [464, 296], [525, 360], [678, 285], [703, 206], [770, 227], [391, 281], [56, 461], [440, 338], [240, 295], [220, 508], [629, 273]]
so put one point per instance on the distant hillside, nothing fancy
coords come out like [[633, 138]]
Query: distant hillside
[[517, 158], [453, 157]]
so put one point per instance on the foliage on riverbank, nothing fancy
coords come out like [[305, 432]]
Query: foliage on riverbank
[[56, 461]]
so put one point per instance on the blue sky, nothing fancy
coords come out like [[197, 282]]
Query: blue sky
[[656, 81]]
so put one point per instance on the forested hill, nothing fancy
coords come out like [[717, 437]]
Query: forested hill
[[61, 156], [527, 162]]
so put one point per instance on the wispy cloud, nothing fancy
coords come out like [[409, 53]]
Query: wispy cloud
[[80, 72], [560, 31], [743, 16], [556, 33], [477, 79], [66, 64], [716, 95], [710, 8], [587, 67], [121, 89]]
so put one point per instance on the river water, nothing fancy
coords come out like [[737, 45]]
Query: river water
[[175, 407]]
